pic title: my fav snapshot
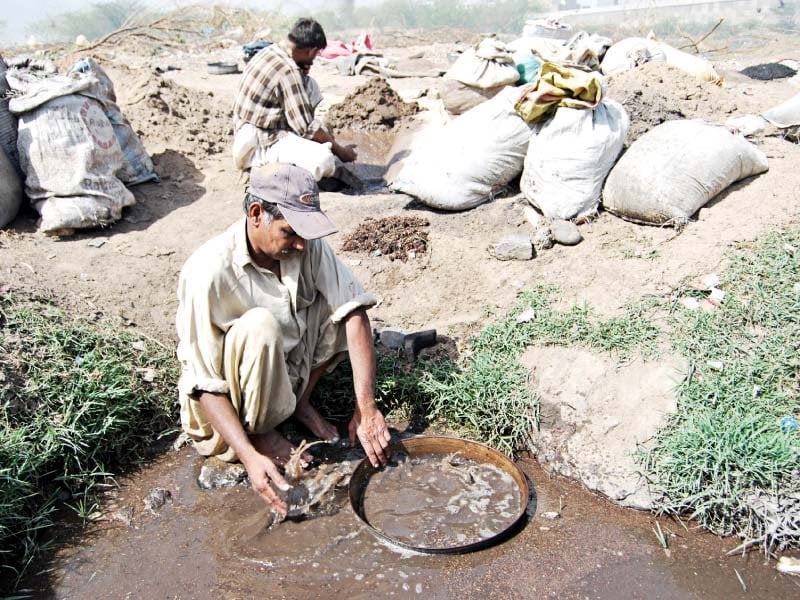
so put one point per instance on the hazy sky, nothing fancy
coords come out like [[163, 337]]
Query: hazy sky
[[18, 15]]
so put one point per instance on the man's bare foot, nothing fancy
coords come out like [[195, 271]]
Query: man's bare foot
[[315, 422], [275, 447]]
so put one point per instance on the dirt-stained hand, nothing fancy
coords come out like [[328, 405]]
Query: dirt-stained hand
[[261, 470], [370, 428], [348, 153]]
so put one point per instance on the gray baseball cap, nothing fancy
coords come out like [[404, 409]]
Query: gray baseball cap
[[295, 192]]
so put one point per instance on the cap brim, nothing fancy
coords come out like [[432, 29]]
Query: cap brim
[[307, 224]]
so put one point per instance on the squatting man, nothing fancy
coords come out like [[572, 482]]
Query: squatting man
[[264, 310], [273, 116]]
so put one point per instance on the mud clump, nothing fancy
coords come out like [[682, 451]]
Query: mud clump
[[395, 237], [655, 93], [373, 106], [166, 112]]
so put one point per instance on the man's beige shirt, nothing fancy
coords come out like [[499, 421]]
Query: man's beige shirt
[[220, 282]]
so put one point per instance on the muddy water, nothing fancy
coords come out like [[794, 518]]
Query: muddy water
[[440, 501], [217, 544]]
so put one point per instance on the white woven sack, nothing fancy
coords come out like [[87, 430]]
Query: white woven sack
[[630, 53], [462, 164], [670, 172], [490, 66], [569, 157], [70, 155]]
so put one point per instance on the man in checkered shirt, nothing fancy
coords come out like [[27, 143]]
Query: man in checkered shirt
[[274, 111]]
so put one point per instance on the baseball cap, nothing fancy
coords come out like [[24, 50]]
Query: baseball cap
[[295, 192]]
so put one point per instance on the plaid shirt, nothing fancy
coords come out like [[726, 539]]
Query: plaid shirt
[[272, 97]]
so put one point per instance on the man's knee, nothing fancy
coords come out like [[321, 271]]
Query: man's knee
[[257, 327]]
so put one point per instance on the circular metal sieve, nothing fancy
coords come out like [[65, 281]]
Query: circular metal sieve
[[441, 446]]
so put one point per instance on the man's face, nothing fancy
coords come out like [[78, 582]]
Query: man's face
[[279, 241], [304, 58]]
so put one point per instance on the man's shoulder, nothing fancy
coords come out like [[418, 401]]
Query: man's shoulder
[[214, 257], [272, 59]]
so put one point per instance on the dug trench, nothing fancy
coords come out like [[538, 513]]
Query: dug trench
[[214, 543]]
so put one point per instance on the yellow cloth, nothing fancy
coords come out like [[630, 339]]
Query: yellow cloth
[[559, 86], [260, 358]]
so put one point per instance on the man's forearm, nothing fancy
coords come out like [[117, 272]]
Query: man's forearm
[[219, 411], [362, 357]]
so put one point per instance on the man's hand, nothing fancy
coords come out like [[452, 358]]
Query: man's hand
[[370, 428], [261, 471], [346, 153]]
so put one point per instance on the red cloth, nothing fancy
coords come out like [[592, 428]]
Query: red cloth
[[337, 48]]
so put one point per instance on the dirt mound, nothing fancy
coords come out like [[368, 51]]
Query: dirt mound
[[163, 111], [373, 105], [395, 237], [655, 93]]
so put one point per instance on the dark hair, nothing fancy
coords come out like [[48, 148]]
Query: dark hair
[[308, 33], [269, 207]]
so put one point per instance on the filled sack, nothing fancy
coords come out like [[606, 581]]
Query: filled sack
[[70, 155], [138, 166], [569, 157], [10, 190], [459, 97], [8, 121], [465, 162], [674, 169], [488, 66]]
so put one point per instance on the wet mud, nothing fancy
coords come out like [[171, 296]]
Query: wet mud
[[440, 501], [219, 544]]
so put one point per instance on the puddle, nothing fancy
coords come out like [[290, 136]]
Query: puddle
[[440, 501], [217, 544]]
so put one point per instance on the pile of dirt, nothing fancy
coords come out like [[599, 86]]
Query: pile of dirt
[[163, 111], [372, 106], [396, 237], [655, 93]]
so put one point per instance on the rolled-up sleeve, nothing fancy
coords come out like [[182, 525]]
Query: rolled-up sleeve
[[200, 346], [337, 283]]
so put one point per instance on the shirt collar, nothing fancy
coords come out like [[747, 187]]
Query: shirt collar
[[241, 256]]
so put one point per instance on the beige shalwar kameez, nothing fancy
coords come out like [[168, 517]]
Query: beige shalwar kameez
[[248, 334]]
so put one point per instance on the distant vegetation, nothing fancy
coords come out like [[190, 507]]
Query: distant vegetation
[[497, 16], [95, 21]]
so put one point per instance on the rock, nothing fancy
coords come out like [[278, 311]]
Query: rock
[[551, 515], [124, 516], [517, 246], [219, 474], [157, 498], [543, 238], [566, 233]]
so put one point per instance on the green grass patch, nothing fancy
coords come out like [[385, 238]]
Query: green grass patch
[[486, 395], [725, 445], [75, 406]]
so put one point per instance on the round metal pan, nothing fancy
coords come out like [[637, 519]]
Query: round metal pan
[[441, 445]]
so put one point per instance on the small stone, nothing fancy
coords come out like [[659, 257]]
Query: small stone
[[526, 315], [513, 247], [542, 238], [157, 498], [355, 262], [550, 515], [124, 516], [566, 233], [219, 474], [96, 243], [534, 218]]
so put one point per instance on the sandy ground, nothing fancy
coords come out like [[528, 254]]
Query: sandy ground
[[455, 287]]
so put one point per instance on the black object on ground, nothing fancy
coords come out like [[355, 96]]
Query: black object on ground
[[252, 48], [768, 71]]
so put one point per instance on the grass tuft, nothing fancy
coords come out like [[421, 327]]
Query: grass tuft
[[74, 407]]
